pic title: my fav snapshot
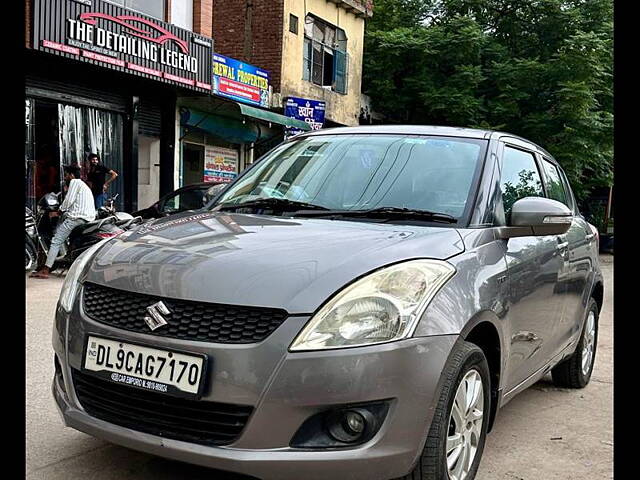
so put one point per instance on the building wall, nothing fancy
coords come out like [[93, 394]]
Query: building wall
[[343, 109], [148, 171], [203, 17], [251, 31]]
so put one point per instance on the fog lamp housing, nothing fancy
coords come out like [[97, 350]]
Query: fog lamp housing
[[341, 426]]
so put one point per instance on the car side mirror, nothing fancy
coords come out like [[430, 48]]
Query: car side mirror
[[537, 216]]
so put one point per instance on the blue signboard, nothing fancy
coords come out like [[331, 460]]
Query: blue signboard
[[310, 111], [240, 81]]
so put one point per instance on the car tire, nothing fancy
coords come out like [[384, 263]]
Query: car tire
[[466, 363], [575, 372]]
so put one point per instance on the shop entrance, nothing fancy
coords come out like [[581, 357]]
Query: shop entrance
[[46, 154], [192, 163], [59, 134]]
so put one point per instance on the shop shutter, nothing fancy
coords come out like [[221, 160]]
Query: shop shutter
[[69, 91], [149, 118]]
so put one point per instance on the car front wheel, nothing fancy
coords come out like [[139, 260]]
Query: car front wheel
[[458, 430]]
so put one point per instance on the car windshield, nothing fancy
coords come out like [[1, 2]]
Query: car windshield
[[363, 172]]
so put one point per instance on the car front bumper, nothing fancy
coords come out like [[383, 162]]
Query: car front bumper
[[285, 389]]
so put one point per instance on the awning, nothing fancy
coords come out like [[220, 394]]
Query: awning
[[272, 117], [230, 129]]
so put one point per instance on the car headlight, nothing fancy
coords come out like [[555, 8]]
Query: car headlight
[[381, 307], [70, 286]]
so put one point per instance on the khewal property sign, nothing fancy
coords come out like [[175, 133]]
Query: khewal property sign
[[240, 81]]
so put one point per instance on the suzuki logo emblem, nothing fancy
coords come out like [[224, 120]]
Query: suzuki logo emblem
[[156, 319]]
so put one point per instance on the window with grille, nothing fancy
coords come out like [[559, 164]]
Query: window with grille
[[325, 60]]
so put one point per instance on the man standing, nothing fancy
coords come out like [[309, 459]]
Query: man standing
[[96, 179], [77, 208]]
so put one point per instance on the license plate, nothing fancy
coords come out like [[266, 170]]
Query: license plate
[[153, 369]]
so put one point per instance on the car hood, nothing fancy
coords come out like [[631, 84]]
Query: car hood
[[258, 260]]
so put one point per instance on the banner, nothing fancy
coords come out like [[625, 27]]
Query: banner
[[310, 111], [240, 81], [120, 39], [220, 164]]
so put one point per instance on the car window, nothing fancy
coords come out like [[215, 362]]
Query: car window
[[555, 186], [520, 177], [186, 200], [350, 172]]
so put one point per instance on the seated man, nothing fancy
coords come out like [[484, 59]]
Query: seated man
[[77, 207]]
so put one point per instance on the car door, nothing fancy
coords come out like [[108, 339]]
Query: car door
[[533, 266], [580, 245]]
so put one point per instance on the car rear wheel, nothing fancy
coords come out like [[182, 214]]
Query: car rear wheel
[[458, 430], [575, 372]]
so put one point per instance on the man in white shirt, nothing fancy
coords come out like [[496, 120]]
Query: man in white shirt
[[77, 207]]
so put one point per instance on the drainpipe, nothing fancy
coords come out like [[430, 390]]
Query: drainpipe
[[248, 30]]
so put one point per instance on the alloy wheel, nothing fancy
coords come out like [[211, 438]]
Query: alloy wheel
[[588, 343], [465, 425]]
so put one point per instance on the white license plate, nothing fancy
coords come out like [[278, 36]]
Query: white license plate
[[148, 368]]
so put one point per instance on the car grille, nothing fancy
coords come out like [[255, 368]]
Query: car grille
[[205, 322], [206, 423]]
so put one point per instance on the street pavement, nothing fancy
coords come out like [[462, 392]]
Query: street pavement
[[544, 433]]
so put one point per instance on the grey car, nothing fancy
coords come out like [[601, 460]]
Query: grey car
[[358, 304]]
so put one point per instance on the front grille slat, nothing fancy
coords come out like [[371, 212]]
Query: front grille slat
[[188, 320], [169, 417], [125, 396], [166, 418]]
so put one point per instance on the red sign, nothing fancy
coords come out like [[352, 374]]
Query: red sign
[[206, 86], [239, 89], [175, 78], [60, 47], [102, 58], [140, 68]]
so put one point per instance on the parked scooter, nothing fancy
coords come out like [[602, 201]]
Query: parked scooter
[[41, 228]]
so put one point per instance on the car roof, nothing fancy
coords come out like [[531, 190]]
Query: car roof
[[422, 130]]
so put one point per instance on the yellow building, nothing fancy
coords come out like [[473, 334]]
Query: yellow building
[[312, 48], [322, 55]]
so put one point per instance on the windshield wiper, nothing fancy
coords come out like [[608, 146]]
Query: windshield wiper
[[280, 204], [384, 212]]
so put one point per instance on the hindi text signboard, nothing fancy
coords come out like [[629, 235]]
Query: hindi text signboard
[[240, 81], [220, 164], [310, 111]]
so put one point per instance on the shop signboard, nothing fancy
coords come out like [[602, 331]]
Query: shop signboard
[[220, 164], [113, 37], [310, 111], [240, 81]]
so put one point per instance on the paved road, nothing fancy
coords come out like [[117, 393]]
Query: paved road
[[544, 433]]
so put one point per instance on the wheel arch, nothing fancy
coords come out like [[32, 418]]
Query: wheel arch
[[485, 332], [597, 293]]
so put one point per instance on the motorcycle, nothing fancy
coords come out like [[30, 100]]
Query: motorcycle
[[30, 241], [40, 229], [122, 219]]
